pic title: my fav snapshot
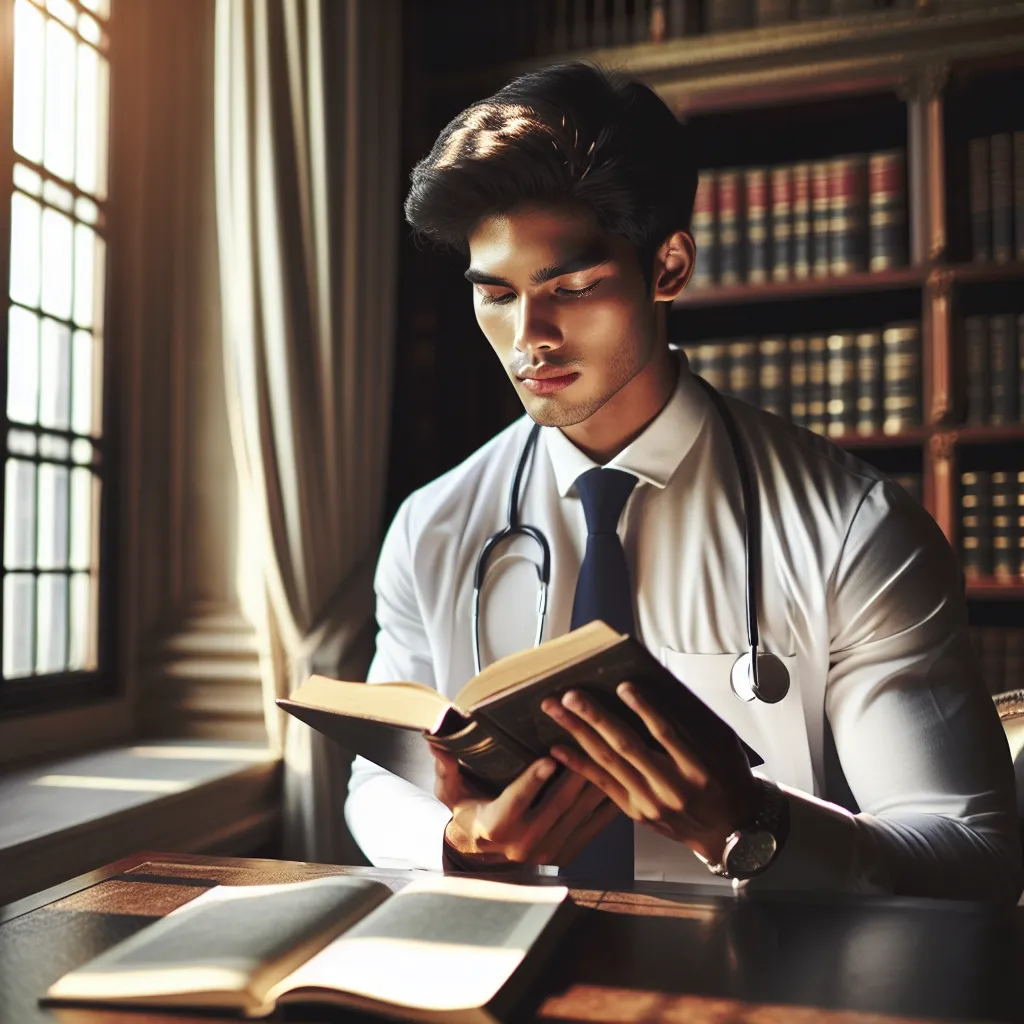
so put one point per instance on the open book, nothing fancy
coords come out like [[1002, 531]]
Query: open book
[[495, 725], [442, 949]]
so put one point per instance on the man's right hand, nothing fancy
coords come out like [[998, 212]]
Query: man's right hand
[[507, 828]]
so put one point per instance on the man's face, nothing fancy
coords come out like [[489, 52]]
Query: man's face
[[565, 308]]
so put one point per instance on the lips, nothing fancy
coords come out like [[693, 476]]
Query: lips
[[548, 380]]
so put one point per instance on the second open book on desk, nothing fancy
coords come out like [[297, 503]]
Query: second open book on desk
[[495, 725]]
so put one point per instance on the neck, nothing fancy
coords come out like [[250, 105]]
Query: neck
[[625, 415]]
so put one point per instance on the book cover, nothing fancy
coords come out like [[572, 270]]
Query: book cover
[[704, 226], [743, 370], [817, 384], [976, 524], [798, 380], [980, 199], [1004, 521], [869, 382], [1003, 360], [901, 372], [782, 223], [801, 230], [842, 383], [772, 376], [977, 359], [730, 227], [1001, 197], [887, 220], [1018, 195], [847, 215], [820, 175], [756, 185]]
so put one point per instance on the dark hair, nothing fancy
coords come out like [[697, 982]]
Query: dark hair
[[568, 133]]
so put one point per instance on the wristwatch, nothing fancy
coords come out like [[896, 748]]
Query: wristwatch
[[750, 849]]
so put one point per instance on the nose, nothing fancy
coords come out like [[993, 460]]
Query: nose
[[536, 329]]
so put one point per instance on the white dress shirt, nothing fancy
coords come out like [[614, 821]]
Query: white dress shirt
[[860, 596]]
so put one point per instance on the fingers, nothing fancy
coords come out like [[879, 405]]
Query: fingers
[[688, 764], [516, 798], [602, 817], [549, 848], [451, 787]]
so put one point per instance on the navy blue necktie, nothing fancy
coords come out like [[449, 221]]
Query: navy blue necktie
[[604, 591]]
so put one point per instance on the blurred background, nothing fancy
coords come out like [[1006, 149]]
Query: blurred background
[[226, 363]]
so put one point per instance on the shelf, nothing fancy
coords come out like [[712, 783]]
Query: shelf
[[812, 288], [974, 434], [989, 587], [906, 439], [986, 273]]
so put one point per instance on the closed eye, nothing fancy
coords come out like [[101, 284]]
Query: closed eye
[[506, 297]]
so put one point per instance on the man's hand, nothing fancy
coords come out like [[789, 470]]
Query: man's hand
[[508, 828], [669, 789]]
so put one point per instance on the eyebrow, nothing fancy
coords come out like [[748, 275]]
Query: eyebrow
[[585, 260]]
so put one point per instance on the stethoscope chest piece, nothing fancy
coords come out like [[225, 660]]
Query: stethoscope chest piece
[[771, 684]]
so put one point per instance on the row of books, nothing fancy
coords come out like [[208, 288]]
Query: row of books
[[1000, 652], [992, 523], [994, 348], [996, 196], [797, 221], [850, 382]]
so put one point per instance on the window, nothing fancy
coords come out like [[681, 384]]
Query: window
[[55, 483]]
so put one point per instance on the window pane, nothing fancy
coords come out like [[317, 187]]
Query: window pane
[[56, 449], [28, 81], [57, 258], [82, 377], [86, 298], [91, 171], [22, 442], [19, 609], [57, 195], [60, 101], [82, 452], [82, 656], [28, 180], [22, 365], [84, 513], [55, 375], [100, 7], [25, 230], [63, 9], [89, 28], [52, 623], [52, 519], [87, 210], [20, 515]]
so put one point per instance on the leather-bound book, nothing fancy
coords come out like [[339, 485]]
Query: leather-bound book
[[1018, 195], [704, 225], [869, 382], [773, 12], [716, 365], [801, 233], [728, 15], [842, 383], [817, 384], [976, 524], [773, 376], [978, 394], [1003, 362], [756, 185], [730, 227], [901, 373], [1004, 524], [980, 199], [743, 369], [798, 380], [887, 210], [1001, 170], [820, 173], [782, 223], [847, 235]]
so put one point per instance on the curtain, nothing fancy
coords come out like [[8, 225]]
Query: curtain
[[307, 98]]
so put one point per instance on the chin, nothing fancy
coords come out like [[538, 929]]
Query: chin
[[549, 412]]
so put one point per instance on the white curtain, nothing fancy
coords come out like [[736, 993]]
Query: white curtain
[[307, 96]]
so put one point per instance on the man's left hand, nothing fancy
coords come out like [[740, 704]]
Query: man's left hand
[[668, 789]]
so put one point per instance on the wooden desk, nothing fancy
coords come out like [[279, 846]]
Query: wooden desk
[[661, 953]]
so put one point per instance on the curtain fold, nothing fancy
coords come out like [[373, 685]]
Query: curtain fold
[[307, 98]]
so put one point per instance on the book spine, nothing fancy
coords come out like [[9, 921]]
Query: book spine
[[911, 483], [1002, 338], [975, 523], [1004, 548], [798, 381], [716, 365], [869, 382], [887, 202], [743, 370], [1020, 523], [819, 218], [730, 221], [801, 230], [817, 384], [486, 751], [1001, 172], [847, 215], [1018, 194], [782, 223], [976, 351], [980, 200], [729, 15], [773, 12], [756, 184], [704, 227], [772, 376], [901, 347], [842, 384]]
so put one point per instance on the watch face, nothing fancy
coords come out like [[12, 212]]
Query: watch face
[[751, 852]]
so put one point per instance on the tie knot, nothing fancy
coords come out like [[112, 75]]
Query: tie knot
[[604, 493]]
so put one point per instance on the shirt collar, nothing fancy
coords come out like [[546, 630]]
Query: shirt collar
[[654, 456]]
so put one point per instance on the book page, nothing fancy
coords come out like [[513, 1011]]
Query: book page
[[442, 944], [226, 946], [409, 705]]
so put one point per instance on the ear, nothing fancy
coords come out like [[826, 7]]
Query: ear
[[673, 265]]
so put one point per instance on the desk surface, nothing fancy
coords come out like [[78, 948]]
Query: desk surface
[[660, 953]]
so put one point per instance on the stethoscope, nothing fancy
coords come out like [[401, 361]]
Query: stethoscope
[[754, 674]]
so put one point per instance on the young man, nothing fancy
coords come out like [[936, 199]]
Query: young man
[[571, 192]]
